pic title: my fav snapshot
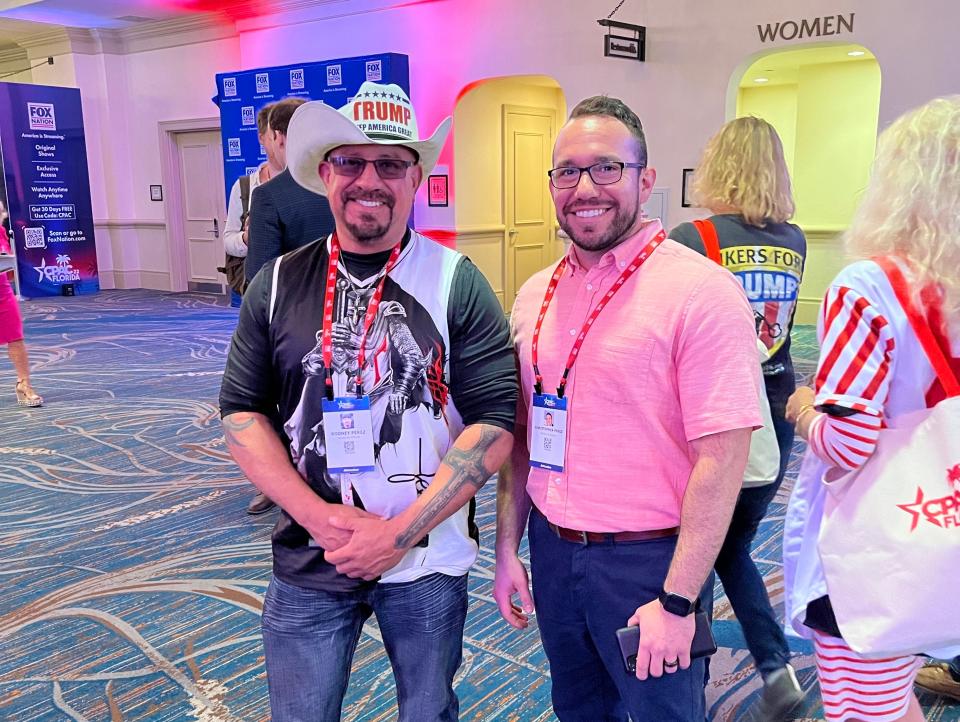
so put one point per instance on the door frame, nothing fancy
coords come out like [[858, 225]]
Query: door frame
[[173, 202], [508, 269]]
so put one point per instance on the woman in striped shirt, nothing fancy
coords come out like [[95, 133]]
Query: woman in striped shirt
[[871, 370]]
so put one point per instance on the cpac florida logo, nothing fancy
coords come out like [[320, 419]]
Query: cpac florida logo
[[42, 116], [943, 511], [63, 272]]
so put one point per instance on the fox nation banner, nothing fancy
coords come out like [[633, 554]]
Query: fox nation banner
[[44, 161], [240, 96]]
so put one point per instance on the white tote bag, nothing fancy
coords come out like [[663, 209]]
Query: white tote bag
[[763, 463], [890, 538]]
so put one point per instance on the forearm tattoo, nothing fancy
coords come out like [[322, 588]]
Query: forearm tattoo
[[468, 468], [231, 426]]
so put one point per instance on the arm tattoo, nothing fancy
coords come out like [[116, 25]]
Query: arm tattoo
[[232, 426], [468, 469]]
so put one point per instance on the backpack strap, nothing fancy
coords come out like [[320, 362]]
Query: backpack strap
[[938, 359], [244, 194], [708, 234]]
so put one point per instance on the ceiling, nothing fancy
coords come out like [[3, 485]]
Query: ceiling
[[114, 14], [22, 18], [783, 67]]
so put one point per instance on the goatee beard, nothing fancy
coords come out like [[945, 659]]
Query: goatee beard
[[369, 234]]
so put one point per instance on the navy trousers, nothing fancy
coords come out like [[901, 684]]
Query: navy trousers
[[583, 594]]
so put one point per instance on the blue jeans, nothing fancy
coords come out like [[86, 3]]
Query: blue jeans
[[739, 575], [583, 594], [309, 637]]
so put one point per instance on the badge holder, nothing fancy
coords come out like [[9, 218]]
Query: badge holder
[[548, 438]]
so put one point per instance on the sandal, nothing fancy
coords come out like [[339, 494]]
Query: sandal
[[26, 396]]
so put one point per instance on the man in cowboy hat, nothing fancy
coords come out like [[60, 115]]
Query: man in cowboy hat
[[407, 337]]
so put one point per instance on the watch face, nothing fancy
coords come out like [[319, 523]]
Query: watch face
[[675, 604]]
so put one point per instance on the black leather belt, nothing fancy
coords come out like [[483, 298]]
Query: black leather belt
[[601, 537]]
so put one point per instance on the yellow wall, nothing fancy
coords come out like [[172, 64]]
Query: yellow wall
[[478, 144], [777, 105], [828, 124], [837, 108]]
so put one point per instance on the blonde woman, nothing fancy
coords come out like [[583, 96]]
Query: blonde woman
[[873, 370], [743, 180]]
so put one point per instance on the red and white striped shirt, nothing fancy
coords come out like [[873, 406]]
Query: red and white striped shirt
[[870, 363]]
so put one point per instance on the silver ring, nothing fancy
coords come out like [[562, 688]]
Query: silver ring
[[671, 665]]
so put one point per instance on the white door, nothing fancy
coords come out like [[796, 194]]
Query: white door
[[204, 212], [528, 208]]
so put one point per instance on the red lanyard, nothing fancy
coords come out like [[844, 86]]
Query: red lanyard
[[372, 306], [548, 297]]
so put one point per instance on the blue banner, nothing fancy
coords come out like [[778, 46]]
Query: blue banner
[[240, 96], [44, 156]]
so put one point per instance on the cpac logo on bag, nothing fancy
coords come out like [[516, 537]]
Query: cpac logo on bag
[[943, 511]]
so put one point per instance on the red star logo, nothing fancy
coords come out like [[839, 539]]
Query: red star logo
[[914, 510], [953, 476]]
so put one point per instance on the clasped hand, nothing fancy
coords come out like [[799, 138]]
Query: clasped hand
[[368, 547]]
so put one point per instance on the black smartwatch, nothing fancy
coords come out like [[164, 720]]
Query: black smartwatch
[[676, 604]]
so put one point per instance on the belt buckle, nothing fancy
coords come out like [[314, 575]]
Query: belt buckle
[[583, 538]]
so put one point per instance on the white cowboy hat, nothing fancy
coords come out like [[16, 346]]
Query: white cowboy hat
[[379, 114]]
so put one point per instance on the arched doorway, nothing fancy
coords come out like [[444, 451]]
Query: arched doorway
[[503, 140], [824, 101]]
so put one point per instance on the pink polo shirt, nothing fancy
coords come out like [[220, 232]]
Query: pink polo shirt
[[672, 358]]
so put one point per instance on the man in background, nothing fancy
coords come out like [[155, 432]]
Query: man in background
[[283, 214], [235, 237], [238, 206]]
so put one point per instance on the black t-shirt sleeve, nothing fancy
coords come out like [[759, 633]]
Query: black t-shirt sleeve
[[688, 235], [483, 379], [248, 378]]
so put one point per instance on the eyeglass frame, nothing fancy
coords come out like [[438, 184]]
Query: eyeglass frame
[[588, 168], [336, 162]]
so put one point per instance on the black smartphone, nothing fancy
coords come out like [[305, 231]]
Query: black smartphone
[[703, 644]]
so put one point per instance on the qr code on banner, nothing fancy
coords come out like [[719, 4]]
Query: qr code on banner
[[33, 238], [547, 443], [350, 447]]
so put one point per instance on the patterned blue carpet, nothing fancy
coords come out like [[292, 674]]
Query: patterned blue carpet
[[133, 579]]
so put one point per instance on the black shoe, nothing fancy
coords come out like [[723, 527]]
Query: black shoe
[[781, 693], [259, 504]]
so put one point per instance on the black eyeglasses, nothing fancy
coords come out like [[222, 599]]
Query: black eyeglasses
[[387, 168], [603, 174]]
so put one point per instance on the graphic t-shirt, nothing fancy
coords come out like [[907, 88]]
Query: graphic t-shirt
[[438, 349], [768, 262]]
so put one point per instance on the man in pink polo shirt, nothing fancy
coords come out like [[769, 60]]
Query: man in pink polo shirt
[[643, 353]]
